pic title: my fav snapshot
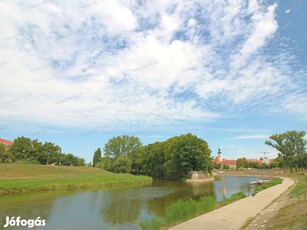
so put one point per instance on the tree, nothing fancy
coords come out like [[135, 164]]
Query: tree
[[22, 148], [186, 153], [105, 163], [119, 145], [226, 167], [242, 163], [49, 153], [34, 151], [137, 159], [97, 156], [154, 160], [217, 166], [291, 146], [2, 153], [122, 164]]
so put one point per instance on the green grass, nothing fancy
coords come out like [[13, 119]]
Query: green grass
[[183, 210], [186, 209], [274, 182], [301, 187], [26, 177], [155, 223]]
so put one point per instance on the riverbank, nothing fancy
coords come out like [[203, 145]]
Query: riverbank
[[289, 211], [16, 178], [234, 215]]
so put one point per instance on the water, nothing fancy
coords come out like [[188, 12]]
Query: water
[[116, 208]]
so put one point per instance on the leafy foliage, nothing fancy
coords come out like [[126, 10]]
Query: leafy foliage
[[173, 158], [122, 164], [292, 149], [26, 150], [97, 156], [176, 157], [119, 145]]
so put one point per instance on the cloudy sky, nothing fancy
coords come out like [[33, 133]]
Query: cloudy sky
[[77, 73]]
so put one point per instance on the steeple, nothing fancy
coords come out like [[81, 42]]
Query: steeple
[[220, 157]]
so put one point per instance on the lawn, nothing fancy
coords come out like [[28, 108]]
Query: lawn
[[27, 177]]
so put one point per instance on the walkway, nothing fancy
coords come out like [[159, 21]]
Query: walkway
[[234, 215]]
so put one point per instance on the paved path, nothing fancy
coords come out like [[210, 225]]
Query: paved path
[[234, 215]]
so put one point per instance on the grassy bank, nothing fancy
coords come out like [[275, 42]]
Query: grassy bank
[[261, 187], [294, 214], [183, 210], [26, 177]]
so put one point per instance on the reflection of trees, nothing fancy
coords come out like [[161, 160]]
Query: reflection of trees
[[179, 190], [232, 184], [121, 206], [27, 206]]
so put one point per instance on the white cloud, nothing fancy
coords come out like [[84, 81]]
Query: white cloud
[[264, 25], [124, 63], [297, 104]]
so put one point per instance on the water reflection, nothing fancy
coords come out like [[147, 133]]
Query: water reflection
[[117, 208], [27, 206], [232, 184]]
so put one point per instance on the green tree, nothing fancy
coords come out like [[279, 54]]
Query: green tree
[[187, 153], [137, 159], [2, 153], [291, 146], [242, 163], [97, 156], [122, 164], [297, 143], [119, 145], [21, 149], [226, 167], [105, 163], [154, 160], [49, 153], [274, 163], [69, 160], [217, 166]]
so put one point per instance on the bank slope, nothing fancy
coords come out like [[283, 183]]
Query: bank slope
[[26, 177]]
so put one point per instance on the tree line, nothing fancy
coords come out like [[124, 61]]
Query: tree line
[[33, 151], [245, 163], [173, 158]]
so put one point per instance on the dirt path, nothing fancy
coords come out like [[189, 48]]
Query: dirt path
[[234, 215]]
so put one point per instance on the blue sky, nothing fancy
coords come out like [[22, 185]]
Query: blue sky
[[77, 73]]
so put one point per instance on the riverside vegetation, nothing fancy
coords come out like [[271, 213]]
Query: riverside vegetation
[[28, 177], [183, 210]]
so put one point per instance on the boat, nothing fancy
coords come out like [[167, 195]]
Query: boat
[[260, 181]]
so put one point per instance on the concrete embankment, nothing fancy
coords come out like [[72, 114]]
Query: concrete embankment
[[234, 215]]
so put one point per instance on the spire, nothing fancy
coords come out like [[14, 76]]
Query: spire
[[220, 157]]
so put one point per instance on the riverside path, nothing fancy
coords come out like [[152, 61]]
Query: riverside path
[[234, 215]]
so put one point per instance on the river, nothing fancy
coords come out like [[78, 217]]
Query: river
[[113, 208]]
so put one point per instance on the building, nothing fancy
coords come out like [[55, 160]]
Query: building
[[7, 143], [222, 161]]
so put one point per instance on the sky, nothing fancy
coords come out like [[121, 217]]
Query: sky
[[77, 73]]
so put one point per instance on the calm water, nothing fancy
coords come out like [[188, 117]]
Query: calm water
[[117, 208]]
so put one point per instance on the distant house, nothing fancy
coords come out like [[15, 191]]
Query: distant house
[[7, 143], [221, 161]]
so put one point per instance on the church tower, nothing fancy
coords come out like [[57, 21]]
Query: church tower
[[219, 155]]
